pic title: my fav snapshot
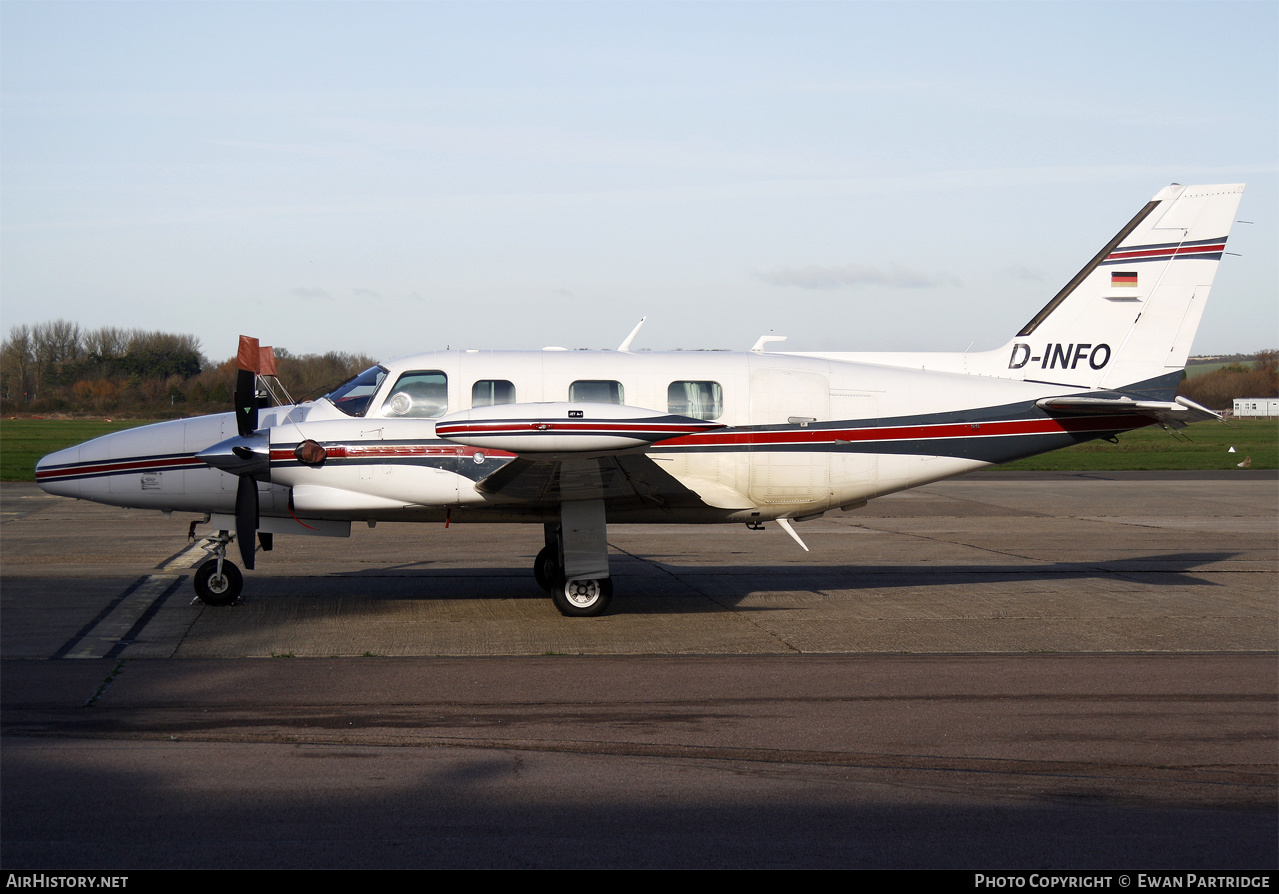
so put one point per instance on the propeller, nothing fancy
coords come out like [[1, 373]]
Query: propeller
[[248, 363], [246, 402], [246, 517], [248, 454]]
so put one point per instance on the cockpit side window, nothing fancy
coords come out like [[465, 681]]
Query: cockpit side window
[[423, 394], [352, 396]]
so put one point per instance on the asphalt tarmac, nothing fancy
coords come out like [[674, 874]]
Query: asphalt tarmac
[[1001, 671]]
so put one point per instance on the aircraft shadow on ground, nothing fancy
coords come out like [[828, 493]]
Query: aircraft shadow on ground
[[639, 578]]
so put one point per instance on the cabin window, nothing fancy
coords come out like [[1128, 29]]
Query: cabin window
[[423, 394], [352, 396], [596, 391], [491, 392], [701, 400]]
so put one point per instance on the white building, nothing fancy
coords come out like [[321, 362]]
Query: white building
[[1256, 406]]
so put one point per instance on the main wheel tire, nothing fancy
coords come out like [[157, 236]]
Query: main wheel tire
[[218, 589], [546, 568], [584, 598]]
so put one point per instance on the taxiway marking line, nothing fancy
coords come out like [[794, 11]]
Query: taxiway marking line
[[107, 633], [182, 560]]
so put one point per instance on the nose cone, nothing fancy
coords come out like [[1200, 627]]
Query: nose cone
[[58, 473]]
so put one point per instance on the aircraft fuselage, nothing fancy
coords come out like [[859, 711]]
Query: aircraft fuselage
[[800, 435]]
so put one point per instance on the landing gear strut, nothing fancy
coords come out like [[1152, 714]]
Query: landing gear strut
[[573, 566], [218, 582]]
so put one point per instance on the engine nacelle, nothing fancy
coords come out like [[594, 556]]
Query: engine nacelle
[[565, 428]]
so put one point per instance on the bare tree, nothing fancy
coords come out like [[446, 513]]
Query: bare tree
[[17, 363], [55, 345]]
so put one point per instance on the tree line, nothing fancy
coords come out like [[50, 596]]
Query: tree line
[[1218, 389], [58, 367]]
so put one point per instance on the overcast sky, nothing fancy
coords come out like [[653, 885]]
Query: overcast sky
[[388, 178]]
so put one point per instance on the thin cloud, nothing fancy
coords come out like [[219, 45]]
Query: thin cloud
[[851, 276], [1024, 273], [309, 292]]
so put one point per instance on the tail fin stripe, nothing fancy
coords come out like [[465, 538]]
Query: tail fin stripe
[[1209, 249]]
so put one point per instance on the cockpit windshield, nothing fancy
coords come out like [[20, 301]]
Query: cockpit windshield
[[352, 397]]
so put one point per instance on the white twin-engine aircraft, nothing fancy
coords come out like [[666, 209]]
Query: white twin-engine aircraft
[[574, 440]]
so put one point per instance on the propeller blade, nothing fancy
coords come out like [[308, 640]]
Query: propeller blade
[[248, 363], [246, 517], [246, 402]]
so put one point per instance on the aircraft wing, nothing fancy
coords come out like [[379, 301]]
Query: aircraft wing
[[579, 451], [1176, 413], [629, 480]]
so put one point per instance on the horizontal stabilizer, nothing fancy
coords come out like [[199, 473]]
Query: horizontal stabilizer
[[1177, 413]]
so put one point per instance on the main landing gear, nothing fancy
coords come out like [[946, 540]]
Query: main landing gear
[[572, 566], [218, 581], [580, 545], [577, 598]]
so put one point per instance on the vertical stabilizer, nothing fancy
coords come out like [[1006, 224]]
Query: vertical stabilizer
[[1130, 315]]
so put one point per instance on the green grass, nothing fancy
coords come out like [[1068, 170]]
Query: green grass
[[23, 441], [1204, 445], [1202, 369]]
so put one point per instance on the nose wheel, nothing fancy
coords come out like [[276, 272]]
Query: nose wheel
[[218, 582]]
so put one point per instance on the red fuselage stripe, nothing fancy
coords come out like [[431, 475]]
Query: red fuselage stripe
[[910, 432], [103, 468], [812, 437]]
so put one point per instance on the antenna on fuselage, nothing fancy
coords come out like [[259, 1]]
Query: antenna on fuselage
[[785, 525], [764, 340], [625, 346]]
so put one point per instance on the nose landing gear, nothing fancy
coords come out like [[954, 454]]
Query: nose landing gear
[[218, 582]]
